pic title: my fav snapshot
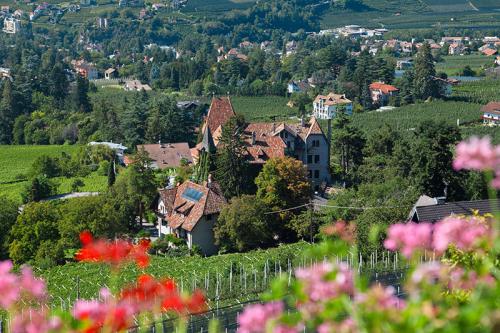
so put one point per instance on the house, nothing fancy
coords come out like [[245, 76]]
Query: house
[[5, 73], [102, 22], [381, 92], [190, 211], [456, 49], [446, 85], [454, 40], [404, 64], [11, 25], [299, 86], [497, 61], [406, 47], [291, 48], [263, 141], [117, 147], [489, 52], [303, 141], [85, 69], [326, 107], [136, 85], [428, 209], [18, 13], [491, 113], [110, 73], [189, 106], [168, 155], [246, 45]]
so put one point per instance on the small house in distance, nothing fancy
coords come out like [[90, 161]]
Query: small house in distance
[[325, 107], [491, 113], [168, 155], [299, 86], [381, 92], [190, 211], [428, 209], [110, 73], [136, 85], [117, 147]]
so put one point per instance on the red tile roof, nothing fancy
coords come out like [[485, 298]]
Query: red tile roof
[[491, 107], [168, 155], [384, 88], [184, 212], [221, 110], [489, 52]]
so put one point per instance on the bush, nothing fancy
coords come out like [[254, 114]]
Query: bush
[[103, 168], [77, 184]]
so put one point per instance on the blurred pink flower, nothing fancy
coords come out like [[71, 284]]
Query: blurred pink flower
[[346, 326], [409, 237], [319, 287], [31, 285], [9, 286], [461, 279], [381, 298], [35, 321], [429, 272], [476, 154], [461, 232], [255, 317]]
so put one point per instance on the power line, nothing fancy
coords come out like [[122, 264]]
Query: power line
[[331, 206]]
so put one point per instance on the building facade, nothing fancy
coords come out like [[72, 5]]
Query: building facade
[[326, 107], [11, 25]]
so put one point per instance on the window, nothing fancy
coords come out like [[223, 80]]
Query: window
[[316, 173], [286, 134], [316, 158], [310, 173], [209, 217], [309, 159], [315, 143]]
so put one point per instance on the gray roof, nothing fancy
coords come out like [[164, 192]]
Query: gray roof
[[437, 212]]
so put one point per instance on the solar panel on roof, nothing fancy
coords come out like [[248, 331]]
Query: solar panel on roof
[[192, 194]]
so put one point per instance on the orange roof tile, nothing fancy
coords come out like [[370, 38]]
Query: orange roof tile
[[221, 110], [384, 88]]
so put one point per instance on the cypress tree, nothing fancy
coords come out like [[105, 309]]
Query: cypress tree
[[425, 85], [111, 174]]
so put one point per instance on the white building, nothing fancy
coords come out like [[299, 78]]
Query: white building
[[11, 25], [117, 147], [326, 107]]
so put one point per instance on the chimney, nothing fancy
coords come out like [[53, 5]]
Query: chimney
[[302, 124], [254, 137], [274, 127], [209, 179]]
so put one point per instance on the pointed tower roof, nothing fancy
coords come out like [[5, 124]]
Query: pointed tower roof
[[207, 142], [314, 127]]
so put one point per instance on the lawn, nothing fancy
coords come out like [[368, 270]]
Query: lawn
[[15, 161], [15, 164]]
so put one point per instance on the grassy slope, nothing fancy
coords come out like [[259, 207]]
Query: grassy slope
[[452, 65], [17, 160]]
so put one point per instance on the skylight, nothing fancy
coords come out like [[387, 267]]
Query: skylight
[[192, 194]]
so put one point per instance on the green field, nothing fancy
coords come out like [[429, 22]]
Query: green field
[[265, 108], [452, 65], [15, 164], [17, 160], [216, 5], [226, 278], [481, 92]]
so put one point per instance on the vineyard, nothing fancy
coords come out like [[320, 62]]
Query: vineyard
[[225, 279], [408, 117], [481, 92], [264, 108], [453, 65]]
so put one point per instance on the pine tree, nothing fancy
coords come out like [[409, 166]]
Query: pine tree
[[425, 85], [80, 95], [7, 113]]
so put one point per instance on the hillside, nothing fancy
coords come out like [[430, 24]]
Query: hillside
[[405, 14]]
